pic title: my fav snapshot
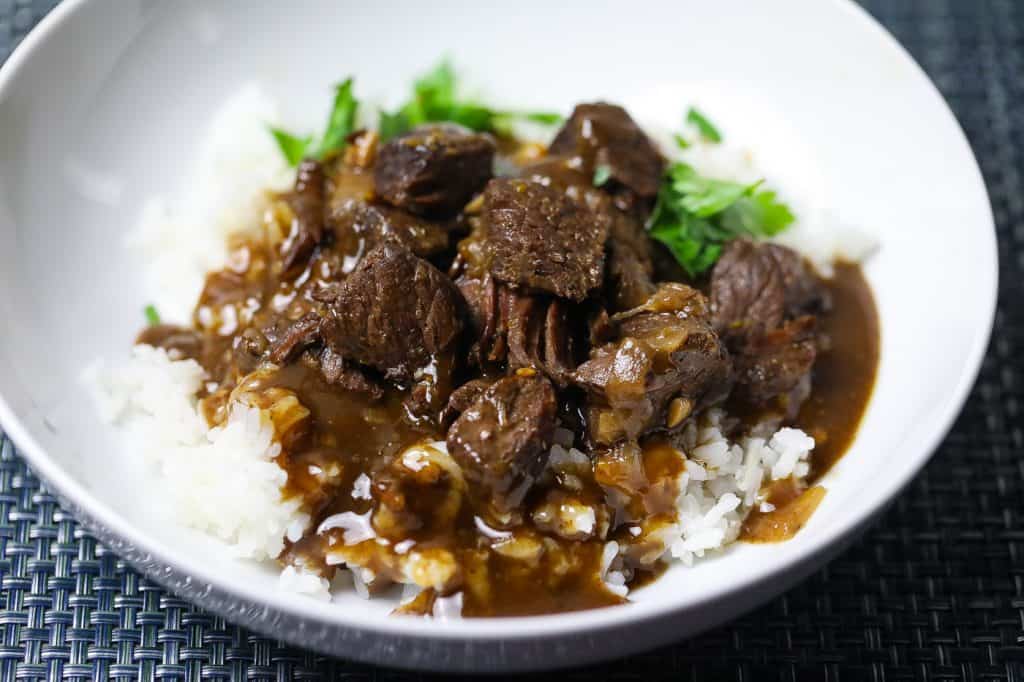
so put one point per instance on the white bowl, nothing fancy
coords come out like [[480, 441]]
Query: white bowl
[[103, 105]]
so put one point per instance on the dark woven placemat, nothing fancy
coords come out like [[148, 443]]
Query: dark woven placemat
[[934, 592]]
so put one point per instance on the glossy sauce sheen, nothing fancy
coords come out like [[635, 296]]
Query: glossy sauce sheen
[[346, 435], [844, 375]]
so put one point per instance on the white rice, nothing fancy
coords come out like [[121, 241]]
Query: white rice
[[721, 481], [223, 481]]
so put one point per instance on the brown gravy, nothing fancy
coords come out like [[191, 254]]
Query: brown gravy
[[844, 375], [348, 434]]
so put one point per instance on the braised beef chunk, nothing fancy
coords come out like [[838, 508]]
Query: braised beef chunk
[[517, 329], [307, 203], [395, 312], [502, 440], [483, 315], [666, 365], [433, 170], [536, 334], [759, 294], [296, 337], [747, 291], [536, 237], [629, 279], [756, 286], [775, 362], [805, 292], [462, 398], [359, 226], [604, 135], [629, 263]]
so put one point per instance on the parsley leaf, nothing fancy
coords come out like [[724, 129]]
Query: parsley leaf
[[761, 214], [435, 99], [152, 316], [340, 124], [390, 125], [548, 118], [602, 174], [293, 148], [707, 129], [695, 216], [705, 196], [681, 141], [342, 121]]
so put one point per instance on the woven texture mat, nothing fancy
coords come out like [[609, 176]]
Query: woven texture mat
[[934, 592]]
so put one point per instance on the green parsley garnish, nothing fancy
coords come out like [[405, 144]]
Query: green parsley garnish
[[681, 141], [436, 99], [695, 216], [293, 148], [152, 316], [340, 124], [707, 129], [602, 174]]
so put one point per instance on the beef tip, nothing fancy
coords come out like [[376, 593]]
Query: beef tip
[[462, 398], [667, 364], [307, 203], [502, 440], [433, 170], [747, 291], [759, 296], [805, 292], [754, 287], [537, 237], [776, 363], [395, 312], [522, 320], [518, 329], [605, 135], [630, 266], [483, 317], [295, 338], [359, 226], [558, 353], [298, 339], [537, 334]]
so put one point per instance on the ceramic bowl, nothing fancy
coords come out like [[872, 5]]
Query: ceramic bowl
[[103, 105]]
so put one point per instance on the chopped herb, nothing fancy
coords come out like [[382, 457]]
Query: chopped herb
[[681, 141], [293, 148], [342, 121], [759, 214], [695, 215], [390, 125], [602, 174], [340, 125], [152, 316], [707, 129], [435, 99], [705, 196], [547, 118]]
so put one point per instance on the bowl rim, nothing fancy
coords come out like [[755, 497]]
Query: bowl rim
[[211, 591]]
